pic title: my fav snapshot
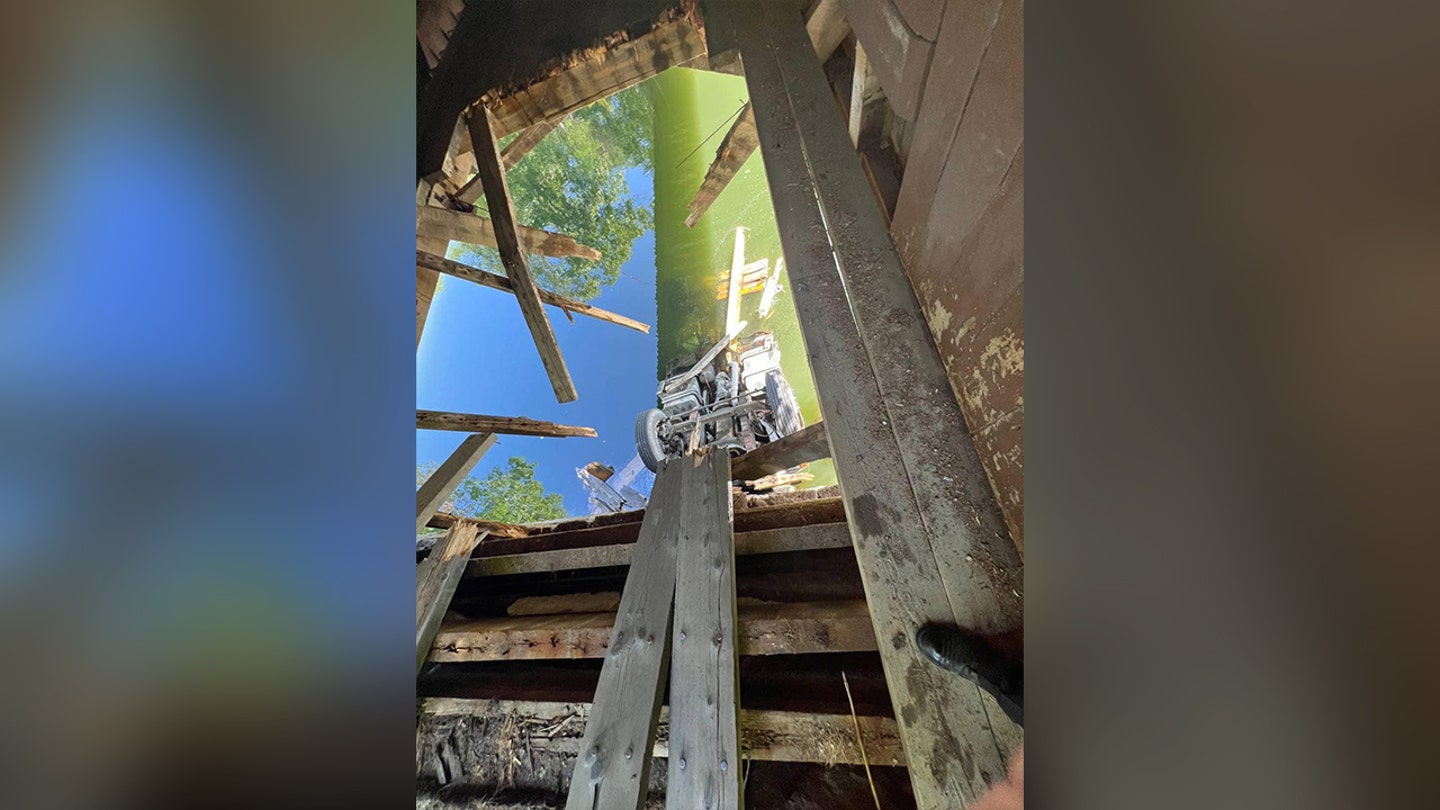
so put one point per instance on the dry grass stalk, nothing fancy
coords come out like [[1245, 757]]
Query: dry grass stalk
[[860, 741]]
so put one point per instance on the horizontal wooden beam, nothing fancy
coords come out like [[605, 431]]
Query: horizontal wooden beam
[[445, 520], [805, 446], [495, 281], [436, 226], [767, 629], [766, 736], [479, 423], [765, 541]]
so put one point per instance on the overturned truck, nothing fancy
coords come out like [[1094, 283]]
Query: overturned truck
[[733, 405]]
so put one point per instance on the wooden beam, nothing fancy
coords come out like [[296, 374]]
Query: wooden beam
[[613, 769], [764, 541], [762, 629], [765, 736], [731, 155], [517, 267], [827, 28], [435, 581], [434, 227], [704, 663], [510, 531], [865, 100], [928, 535], [440, 264], [441, 483], [808, 445], [479, 423]]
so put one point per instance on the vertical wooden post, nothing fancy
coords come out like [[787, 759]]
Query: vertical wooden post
[[704, 680], [447, 476], [612, 771], [435, 581], [928, 534]]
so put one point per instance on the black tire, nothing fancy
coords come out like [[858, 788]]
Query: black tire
[[783, 405], [647, 438]]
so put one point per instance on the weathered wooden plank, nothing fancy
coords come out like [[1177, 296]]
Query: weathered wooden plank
[[762, 629], [827, 28], [517, 267], [435, 227], [479, 423], [900, 57], [765, 541], [730, 157], [439, 264], [966, 38], [928, 535], [613, 769], [865, 101], [808, 445], [704, 663], [447, 476], [435, 581], [765, 736], [425, 283]]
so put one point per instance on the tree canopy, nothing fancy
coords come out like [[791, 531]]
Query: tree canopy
[[573, 182], [508, 494]]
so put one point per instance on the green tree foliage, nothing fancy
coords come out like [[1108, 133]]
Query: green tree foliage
[[573, 182], [509, 494]]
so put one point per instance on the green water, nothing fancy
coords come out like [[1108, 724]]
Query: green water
[[689, 106]]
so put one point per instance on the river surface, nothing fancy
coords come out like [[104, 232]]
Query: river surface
[[692, 106]]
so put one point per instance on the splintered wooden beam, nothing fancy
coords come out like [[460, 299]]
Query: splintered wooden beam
[[447, 476], [613, 769], [434, 227], [805, 446], [734, 150], [430, 261], [435, 581], [517, 267], [929, 538], [704, 662], [765, 736], [446, 520], [788, 628], [479, 423]]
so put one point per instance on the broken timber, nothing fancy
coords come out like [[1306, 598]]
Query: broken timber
[[799, 448], [498, 282], [437, 488], [436, 227], [734, 150], [613, 769], [704, 664], [507, 239], [928, 534], [781, 628], [478, 423], [435, 581], [765, 736]]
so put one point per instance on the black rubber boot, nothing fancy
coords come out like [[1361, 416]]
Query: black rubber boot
[[972, 658]]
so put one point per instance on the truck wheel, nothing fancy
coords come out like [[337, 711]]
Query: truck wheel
[[647, 438], [783, 404]]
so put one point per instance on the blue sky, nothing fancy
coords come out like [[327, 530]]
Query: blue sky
[[476, 356]]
